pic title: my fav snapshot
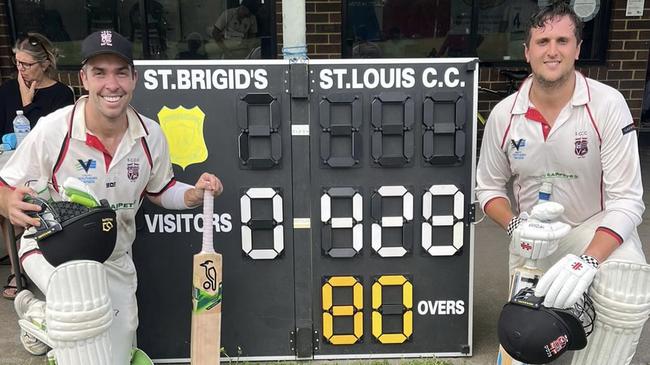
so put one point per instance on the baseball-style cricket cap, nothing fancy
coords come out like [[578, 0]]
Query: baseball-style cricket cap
[[106, 42]]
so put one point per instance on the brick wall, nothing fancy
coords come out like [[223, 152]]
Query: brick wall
[[627, 55], [6, 67]]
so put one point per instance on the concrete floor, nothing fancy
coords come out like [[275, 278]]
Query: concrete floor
[[490, 272]]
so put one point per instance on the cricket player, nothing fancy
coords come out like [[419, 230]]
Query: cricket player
[[122, 156], [577, 134]]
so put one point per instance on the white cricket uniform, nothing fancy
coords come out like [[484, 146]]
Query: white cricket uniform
[[590, 155], [59, 147]]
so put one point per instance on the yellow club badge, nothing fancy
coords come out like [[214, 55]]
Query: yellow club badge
[[183, 129]]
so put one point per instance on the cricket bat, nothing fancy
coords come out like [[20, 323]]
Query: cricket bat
[[206, 295], [522, 277]]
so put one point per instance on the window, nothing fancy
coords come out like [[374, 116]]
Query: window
[[167, 29], [493, 30]]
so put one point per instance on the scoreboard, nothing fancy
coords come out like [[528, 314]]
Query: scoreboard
[[345, 222]]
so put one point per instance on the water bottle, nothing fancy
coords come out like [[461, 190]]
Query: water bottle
[[21, 127]]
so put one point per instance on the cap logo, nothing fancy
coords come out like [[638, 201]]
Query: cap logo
[[556, 346], [106, 38]]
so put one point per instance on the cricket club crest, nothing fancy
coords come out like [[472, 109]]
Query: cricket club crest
[[133, 170], [581, 148], [183, 129]]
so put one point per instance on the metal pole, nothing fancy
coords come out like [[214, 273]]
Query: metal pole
[[294, 30]]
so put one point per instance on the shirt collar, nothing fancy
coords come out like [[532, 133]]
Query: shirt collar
[[136, 128], [581, 94]]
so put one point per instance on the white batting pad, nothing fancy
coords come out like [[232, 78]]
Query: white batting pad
[[621, 297], [79, 313]]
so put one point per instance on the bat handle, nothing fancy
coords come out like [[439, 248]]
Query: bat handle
[[208, 229]]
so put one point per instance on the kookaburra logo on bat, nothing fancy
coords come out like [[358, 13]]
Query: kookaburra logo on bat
[[211, 276]]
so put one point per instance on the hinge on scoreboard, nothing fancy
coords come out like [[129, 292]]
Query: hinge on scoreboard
[[316, 341], [464, 349], [301, 342], [471, 213]]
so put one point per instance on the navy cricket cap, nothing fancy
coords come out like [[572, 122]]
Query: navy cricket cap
[[106, 42]]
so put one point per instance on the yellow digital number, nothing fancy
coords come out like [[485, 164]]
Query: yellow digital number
[[330, 310], [407, 309]]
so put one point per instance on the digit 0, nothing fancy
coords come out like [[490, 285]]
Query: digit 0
[[381, 309], [249, 224]]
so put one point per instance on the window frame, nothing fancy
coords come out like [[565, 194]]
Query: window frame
[[603, 20], [146, 52]]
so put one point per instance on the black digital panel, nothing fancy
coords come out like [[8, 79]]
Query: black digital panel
[[400, 282], [240, 114], [345, 219]]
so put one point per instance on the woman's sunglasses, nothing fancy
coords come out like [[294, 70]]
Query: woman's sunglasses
[[34, 42]]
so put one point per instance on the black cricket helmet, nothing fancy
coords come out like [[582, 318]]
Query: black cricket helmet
[[70, 231], [535, 334]]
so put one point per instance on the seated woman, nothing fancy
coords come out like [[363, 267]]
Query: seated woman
[[35, 92]]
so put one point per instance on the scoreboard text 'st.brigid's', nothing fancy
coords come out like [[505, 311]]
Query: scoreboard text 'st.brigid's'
[[345, 222]]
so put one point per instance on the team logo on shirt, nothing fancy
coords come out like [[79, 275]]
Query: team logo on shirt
[[86, 165], [519, 148], [581, 146], [133, 170]]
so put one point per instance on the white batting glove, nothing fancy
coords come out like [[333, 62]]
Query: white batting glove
[[547, 211], [534, 239], [565, 282]]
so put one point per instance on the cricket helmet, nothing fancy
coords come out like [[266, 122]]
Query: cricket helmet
[[70, 231], [535, 334]]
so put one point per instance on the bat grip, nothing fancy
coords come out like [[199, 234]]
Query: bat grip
[[208, 229], [531, 264]]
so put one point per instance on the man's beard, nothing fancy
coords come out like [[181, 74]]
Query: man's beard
[[553, 84]]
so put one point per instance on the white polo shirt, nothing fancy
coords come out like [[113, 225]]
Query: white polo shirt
[[590, 155], [60, 146]]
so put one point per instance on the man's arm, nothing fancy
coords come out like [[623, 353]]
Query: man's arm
[[192, 197], [217, 34], [220, 26], [621, 177], [601, 246], [493, 170], [499, 210]]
